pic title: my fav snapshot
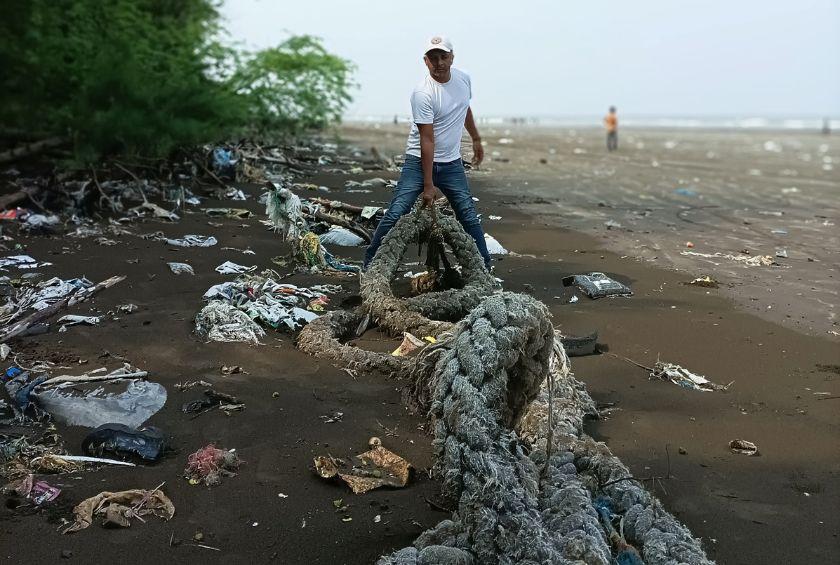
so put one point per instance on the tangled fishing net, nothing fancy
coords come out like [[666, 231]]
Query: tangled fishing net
[[527, 486], [209, 464]]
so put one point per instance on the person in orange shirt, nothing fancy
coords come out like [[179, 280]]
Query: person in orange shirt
[[611, 123]]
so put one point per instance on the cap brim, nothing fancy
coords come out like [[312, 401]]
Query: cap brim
[[432, 47]]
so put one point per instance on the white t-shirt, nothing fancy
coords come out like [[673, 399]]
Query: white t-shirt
[[445, 106]]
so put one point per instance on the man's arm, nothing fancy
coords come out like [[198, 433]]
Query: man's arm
[[427, 159], [478, 149]]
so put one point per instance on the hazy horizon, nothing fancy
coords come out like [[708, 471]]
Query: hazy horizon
[[690, 59]]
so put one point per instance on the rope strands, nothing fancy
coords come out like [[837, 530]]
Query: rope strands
[[527, 485]]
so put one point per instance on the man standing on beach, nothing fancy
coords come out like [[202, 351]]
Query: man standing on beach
[[611, 123], [440, 109]]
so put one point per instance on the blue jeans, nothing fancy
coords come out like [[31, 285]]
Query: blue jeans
[[451, 179]]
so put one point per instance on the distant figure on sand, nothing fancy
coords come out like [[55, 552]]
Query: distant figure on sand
[[611, 123], [440, 109]]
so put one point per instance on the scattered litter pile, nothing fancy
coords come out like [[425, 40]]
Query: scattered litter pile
[[507, 417], [234, 308]]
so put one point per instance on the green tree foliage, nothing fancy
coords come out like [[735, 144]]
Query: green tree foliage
[[149, 76]]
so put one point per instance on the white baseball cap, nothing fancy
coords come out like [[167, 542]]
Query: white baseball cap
[[438, 42]]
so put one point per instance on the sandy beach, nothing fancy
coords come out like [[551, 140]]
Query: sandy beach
[[770, 330]]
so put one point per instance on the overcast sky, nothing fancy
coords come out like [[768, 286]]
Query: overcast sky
[[554, 58]]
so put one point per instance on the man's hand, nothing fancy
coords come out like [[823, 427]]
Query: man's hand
[[478, 152], [429, 195]]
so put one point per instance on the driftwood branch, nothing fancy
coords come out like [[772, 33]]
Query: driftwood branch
[[30, 149], [20, 327], [9, 200]]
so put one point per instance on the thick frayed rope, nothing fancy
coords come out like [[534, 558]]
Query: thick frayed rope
[[515, 504], [413, 314], [509, 447], [325, 336]]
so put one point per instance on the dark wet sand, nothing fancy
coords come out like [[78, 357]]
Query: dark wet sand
[[747, 509]]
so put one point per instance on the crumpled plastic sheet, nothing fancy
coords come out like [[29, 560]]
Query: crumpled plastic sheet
[[117, 508], [181, 268], [493, 245], [338, 235], [92, 404], [192, 240], [231, 268]]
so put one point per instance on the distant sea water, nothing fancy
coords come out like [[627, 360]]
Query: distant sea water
[[741, 123]]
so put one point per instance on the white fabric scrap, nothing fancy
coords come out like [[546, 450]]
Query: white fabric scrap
[[231, 268]]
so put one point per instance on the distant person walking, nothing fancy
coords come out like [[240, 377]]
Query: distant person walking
[[611, 123], [440, 109]]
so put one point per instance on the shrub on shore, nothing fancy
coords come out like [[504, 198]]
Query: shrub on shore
[[149, 76]]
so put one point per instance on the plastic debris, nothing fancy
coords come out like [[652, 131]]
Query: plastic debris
[[117, 508], [220, 321], [338, 235], [235, 194], [684, 378], [491, 217], [21, 262], [63, 463], [38, 492], [209, 464], [580, 346], [782, 253], [156, 211], [283, 208], [193, 240], [273, 304], [685, 192], [91, 405], [747, 260], [369, 212], [181, 268], [409, 343], [213, 399], [333, 418], [237, 213], [73, 320], [597, 285], [706, 282], [230, 268], [41, 221], [147, 443], [493, 245], [372, 469], [743, 447]]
